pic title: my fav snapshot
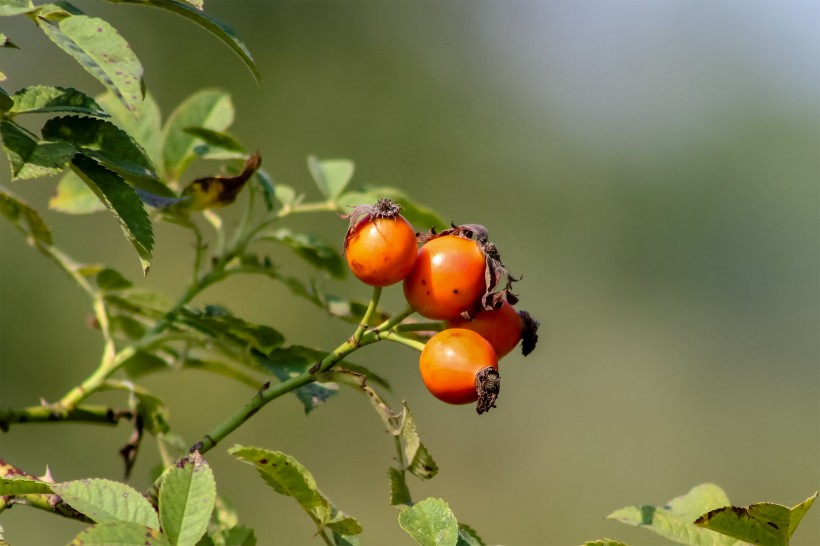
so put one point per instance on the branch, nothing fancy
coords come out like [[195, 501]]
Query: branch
[[101, 415], [48, 502]]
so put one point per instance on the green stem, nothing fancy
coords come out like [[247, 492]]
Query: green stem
[[420, 327], [393, 336], [371, 308], [101, 415]]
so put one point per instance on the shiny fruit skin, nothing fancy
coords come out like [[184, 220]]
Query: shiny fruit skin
[[502, 327], [382, 251], [447, 279], [450, 361]]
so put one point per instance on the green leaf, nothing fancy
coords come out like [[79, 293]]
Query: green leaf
[[399, 492], [17, 211], [73, 196], [23, 485], [419, 461], [422, 218], [126, 327], [216, 144], [343, 540], [288, 362], [764, 523], [99, 49], [286, 195], [110, 146], [219, 29], [604, 542], [16, 7], [45, 99], [331, 175], [219, 323], [240, 536], [124, 204], [310, 248], [674, 520], [111, 280], [120, 534], [267, 186], [5, 42], [288, 477], [107, 501], [430, 523], [186, 499], [6, 101], [142, 363], [144, 125], [30, 158], [468, 537], [210, 109]]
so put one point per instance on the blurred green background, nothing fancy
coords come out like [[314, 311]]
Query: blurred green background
[[651, 169]]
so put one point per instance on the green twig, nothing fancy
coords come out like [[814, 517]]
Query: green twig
[[100, 415], [371, 308]]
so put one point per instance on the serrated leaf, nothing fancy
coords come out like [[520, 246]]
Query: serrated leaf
[[430, 523], [674, 520], [422, 218], [73, 196], [32, 158], [23, 485], [17, 210], [107, 501], [331, 175], [124, 204], [45, 99], [287, 362], [110, 146], [399, 492], [260, 337], [120, 534], [766, 524], [467, 536], [144, 125], [209, 108], [186, 499], [16, 7], [99, 49], [310, 248], [219, 29], [288, 477]]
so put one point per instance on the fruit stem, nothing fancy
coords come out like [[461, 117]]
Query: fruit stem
[[368, 314]]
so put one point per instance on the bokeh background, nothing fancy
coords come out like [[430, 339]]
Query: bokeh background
[[650, 168]]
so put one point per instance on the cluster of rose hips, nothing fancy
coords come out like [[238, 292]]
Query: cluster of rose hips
[[455, 276]]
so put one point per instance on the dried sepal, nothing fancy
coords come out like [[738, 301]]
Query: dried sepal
[[384, 208], [529, 332], [487, 385], [497, 278]]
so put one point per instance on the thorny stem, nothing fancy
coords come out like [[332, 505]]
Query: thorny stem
[[268, 392], [101, 415]]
